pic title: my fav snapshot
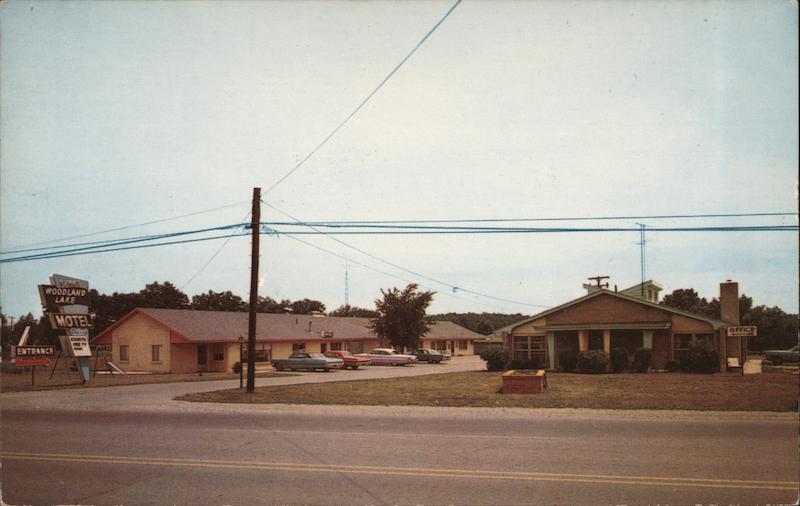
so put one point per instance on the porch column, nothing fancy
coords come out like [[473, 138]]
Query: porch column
[[607, 341], [583, 340], [551, 348], [647, 339]]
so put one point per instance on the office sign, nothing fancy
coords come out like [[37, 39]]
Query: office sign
[[53, 297], [64, 321], [326, 333], [743, 331], [33, 350]]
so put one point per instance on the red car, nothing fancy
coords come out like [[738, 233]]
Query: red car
[[350, 360]]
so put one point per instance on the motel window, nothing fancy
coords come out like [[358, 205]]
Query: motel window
[[529, 348], [123, 352], [263, 352], [219, 352], [462, 344], [336, 346], [156, 350], [298, 347]]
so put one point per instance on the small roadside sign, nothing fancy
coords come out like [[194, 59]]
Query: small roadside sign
[[743, 331], [21, 361], [33, 350]]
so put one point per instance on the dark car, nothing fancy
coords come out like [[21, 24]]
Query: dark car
[[430, 356], [778, 357]]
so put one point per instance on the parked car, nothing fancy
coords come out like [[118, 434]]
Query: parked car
[[778, 357], [387, 356], [307, 360], [430, 356], [350, 361]]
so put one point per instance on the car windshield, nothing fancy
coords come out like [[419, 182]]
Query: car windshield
[[316, 355]]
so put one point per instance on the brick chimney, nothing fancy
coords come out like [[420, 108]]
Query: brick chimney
[[729, 302]]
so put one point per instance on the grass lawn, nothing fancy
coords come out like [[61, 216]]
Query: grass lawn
[[65, 378], [758, 392]]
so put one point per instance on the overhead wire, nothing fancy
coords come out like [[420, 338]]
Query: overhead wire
[[454, 288], [16, 249], [225, 243], [363, 102]]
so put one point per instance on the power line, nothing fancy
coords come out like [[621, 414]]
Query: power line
[[498, 230], [225, 243], [106, 246], [574, 218], [454, 288], [140, 246], [16, 249], [363, 102], [370, 267]]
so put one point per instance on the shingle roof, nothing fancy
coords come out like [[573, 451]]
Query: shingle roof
[[714, 323], [208, 326]]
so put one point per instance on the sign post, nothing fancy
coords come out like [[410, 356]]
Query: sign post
[[35, 355], [66, 302]]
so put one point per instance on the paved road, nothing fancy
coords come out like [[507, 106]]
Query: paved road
[[133, 445]]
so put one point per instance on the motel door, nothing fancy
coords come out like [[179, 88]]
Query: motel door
[[202, 357]]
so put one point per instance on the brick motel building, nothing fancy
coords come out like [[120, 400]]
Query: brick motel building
[[181, 341], [632, 318]]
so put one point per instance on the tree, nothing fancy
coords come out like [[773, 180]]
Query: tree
[[776, 328], [270, 305], [354, 311], [687, 299], [165, 296], [401, 316], [218, 301], [306, 306]]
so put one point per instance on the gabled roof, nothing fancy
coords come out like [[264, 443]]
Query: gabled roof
[[714, 323], [219, 326]]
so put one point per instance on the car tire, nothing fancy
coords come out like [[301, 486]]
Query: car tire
[[279, 368], [776, 360]]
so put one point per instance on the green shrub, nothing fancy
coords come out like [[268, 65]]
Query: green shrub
[[642, 359], [701, 357], [496, 358], [594, 361], [673, 365], [567, 360], [237, 367], [619, 359]]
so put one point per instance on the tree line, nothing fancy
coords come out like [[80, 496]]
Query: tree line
[[776, 328]]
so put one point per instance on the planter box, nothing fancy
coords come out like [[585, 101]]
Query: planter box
[[524, 382]]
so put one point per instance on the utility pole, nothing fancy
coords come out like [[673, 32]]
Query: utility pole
[[641, 253], [255, 226]]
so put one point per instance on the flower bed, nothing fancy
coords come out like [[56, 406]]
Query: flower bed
[[524, 382]]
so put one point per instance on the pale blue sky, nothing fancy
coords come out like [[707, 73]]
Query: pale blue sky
[[118, 113]]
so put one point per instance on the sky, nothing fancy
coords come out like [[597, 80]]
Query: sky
[[115, 114]]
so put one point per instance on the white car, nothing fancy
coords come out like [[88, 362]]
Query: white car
[[387, 356]]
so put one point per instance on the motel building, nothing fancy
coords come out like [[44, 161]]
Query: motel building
[[182, 341], [632, 318]]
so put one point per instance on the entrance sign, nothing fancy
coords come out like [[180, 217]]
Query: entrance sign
[[71, 321], [54, 297], [33, 351], [743, 331]]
